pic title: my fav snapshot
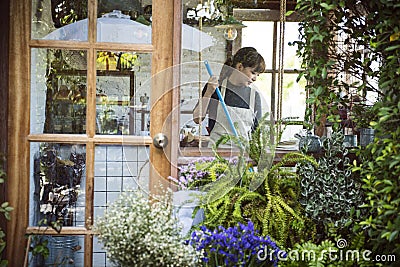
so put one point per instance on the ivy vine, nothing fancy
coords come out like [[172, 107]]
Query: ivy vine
[[370, 34]]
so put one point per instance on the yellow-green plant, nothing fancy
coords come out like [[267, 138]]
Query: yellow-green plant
[[254, 188]]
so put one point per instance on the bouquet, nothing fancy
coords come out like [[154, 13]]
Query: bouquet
[[138, 231]]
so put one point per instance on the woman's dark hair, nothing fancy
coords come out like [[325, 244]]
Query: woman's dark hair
[[248, 56]]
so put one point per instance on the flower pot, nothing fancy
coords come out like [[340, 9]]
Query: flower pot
[[366, 136], [350, 140], [185, 201], [310, 143]]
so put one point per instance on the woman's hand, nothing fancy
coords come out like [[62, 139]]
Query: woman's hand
[[212, 84], [198, 113]]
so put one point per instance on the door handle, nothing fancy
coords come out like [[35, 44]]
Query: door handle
[[160, 140]]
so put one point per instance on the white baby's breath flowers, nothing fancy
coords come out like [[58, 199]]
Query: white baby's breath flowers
[[137, 231]]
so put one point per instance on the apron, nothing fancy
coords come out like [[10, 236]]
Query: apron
[[242, 118]]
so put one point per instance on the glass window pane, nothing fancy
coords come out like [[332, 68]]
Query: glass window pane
[[291, 61], [118, 169], [260, 35], [264, 42], [123, 89], [58, 91], [57, 184], [264, 85], [124, 22], [201, 40], [293, 97], [62, 20], [63, 251], [293, 103]]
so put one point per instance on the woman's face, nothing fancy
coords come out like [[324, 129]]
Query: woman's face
[[245, 75]]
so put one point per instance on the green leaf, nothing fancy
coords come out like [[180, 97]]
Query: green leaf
[[393, 235], [290, 12], [328, 7], [391, 48], [324, 73]]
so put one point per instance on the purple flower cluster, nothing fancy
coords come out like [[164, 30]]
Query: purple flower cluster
[[235, 246], [190, 175], [196, 173]]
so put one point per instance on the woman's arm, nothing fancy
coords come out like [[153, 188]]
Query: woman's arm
[[205, 100]]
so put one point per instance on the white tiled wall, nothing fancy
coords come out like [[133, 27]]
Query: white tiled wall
[[116, 170]]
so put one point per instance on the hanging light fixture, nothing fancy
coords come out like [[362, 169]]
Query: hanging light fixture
[[230, 26]]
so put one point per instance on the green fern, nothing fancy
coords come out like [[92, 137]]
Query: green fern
[[268, 196], [246, 197]]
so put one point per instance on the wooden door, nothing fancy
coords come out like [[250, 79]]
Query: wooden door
[[88, 102]]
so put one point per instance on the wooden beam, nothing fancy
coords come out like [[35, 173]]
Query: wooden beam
[[176, 91], [161, 94], [266, 4], [262, 15], [143, 48], [18, 149], [97, 139], [66, 230]]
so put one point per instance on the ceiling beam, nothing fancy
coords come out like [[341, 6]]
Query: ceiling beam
[[264, 4]]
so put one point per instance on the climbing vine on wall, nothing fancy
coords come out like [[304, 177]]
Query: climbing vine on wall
[[336, 58], [369, 33]]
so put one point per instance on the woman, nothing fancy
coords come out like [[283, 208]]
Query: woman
[[242, 100]]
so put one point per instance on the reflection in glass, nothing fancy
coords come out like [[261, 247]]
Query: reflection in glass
[[118, 21], [122, 93], [57, 185], [124, 21], [58, 91], [201, 40], [63, 250], [62, 20], [117, 27]]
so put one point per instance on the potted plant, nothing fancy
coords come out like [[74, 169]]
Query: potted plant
[[363, 115], [139, 230], [329, 190], [192, 177], [252, 188]]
